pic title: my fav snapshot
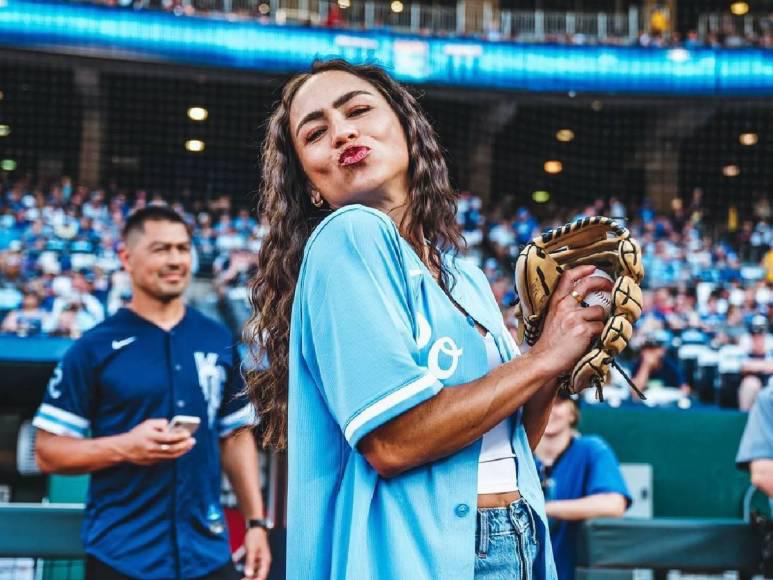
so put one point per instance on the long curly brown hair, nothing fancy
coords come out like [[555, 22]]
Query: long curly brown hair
[[430, 217]]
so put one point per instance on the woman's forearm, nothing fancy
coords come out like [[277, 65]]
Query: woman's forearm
[[456, 416], [536, 412]]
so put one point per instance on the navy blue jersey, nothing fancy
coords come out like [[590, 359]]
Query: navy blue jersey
[[164, 520]]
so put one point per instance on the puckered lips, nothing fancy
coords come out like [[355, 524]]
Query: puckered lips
[[353, 155]]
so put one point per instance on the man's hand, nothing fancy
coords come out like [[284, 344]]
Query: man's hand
[[151, 442], [258, 554]]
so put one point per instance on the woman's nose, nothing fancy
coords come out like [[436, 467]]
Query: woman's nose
[[343, 132]]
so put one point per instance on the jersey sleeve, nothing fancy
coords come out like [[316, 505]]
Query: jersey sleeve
[[357, 332], [236, 410], [604, 475], [67, 404], [757, 438]]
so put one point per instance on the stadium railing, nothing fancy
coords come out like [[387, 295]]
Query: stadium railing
[[41, 541], [477, 18], [615, 549], [44, 542], [749, 25]]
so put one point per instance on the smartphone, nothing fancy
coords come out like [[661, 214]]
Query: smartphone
[[187, 422]]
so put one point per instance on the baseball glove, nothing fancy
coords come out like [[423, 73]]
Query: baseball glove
[[608, 246]]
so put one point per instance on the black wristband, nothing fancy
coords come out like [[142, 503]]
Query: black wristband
[[259, 523]]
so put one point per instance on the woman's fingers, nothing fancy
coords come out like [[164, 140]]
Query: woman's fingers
[[593, 313], [592, 284], [569, 278]]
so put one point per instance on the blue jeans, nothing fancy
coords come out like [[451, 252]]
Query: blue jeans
[[505, 542]]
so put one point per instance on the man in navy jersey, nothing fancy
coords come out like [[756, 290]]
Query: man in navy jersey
[[153, 507]]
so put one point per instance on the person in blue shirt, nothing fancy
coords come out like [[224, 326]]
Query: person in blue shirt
[[755, 450], [581, 480], [153, 509], [406, 411]]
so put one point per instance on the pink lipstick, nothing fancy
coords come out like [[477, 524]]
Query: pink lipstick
[[353, 155]]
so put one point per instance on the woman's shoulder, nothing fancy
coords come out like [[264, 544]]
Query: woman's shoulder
[[349, 238], [352, 224], [468, 268]]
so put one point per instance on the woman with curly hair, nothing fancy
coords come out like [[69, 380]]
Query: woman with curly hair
[[408, 416]]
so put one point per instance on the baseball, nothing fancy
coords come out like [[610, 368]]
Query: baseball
[[599, 298]]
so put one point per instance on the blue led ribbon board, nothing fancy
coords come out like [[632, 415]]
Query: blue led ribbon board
[[162, 37]]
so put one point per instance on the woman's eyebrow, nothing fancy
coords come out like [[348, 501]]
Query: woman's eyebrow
[[340, 101]]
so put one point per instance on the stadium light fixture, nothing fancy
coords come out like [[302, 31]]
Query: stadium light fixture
[[739, 8], [5, 130], [198, 113], [541, 196], [344, 3], [731, 170], [597, 105], [748, 139], [396, 6], [565, 135], [8, 165], [264, 8], [194, 145], [553, 166]]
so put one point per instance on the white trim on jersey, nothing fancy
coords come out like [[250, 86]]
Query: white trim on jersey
[[60, 422], [391, 400], [241, 418]]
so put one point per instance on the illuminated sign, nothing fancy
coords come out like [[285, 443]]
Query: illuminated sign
[[158, 36]]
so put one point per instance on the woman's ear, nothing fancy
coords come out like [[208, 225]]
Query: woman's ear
[[316, 198]]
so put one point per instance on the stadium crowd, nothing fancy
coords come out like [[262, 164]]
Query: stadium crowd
[[60, 273], [729, 35]]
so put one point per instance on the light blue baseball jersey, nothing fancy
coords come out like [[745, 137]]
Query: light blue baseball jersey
[[372, 336], [163, 520]]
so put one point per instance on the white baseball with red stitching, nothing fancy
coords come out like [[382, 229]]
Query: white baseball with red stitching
[[599, 298]]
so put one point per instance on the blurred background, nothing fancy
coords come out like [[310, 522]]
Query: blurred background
[[657, 113]]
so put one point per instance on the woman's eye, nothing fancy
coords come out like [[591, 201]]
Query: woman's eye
[[314, 135], [358, 111]]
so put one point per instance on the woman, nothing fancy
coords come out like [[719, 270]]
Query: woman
[[386, 344]]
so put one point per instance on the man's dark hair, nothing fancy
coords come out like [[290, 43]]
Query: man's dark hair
[[151, 213]]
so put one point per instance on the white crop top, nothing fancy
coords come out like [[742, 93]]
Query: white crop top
[[496, 466]]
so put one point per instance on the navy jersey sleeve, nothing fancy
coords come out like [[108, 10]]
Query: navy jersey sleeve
[[604, 474], [357, 330], [67, 403], [757, 438], [236, 410]]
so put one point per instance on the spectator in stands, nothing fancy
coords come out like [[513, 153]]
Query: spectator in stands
[[27, 320], [581, 480], [757, 369], [76, 310], [755, 451], [656, 366], [119, 385]]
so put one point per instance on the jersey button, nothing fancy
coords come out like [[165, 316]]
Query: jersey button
[[178, 367], [462, 510], [181, 403]]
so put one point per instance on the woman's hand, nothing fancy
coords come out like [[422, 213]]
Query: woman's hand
[[569, 328]]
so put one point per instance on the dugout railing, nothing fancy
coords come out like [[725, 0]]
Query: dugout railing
[[44, 542]]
